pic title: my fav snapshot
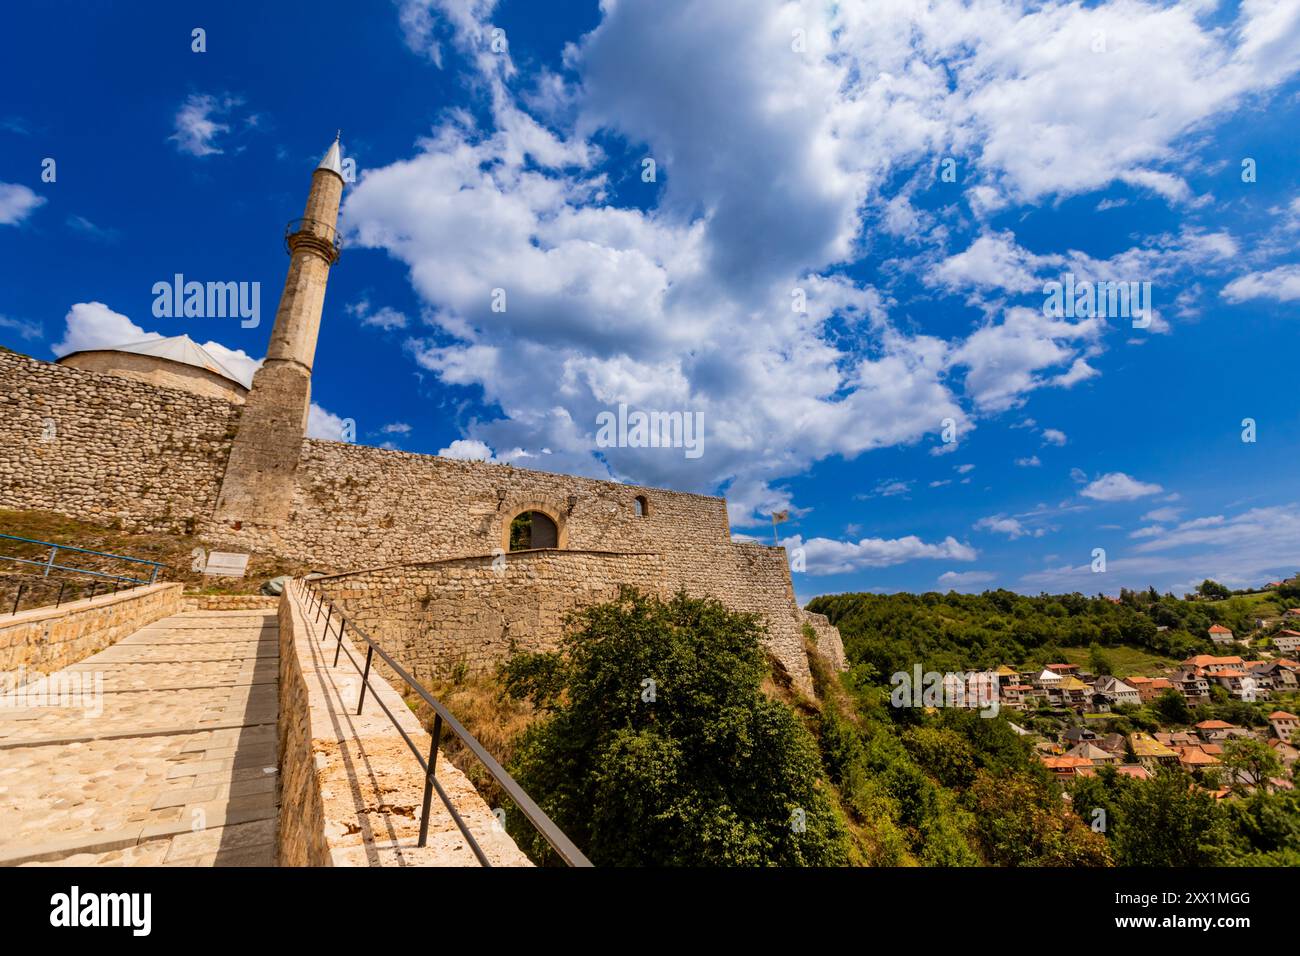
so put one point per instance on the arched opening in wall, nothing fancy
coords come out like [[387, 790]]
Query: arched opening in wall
[[533, 529], [642, 506]]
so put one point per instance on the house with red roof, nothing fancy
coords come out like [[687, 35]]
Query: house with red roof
[[1216, 731], [1220, 634], [1286, 752], [1066, 767], [1286, 641], [1283, 724]]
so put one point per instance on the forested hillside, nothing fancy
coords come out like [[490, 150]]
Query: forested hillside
[[958, 632]]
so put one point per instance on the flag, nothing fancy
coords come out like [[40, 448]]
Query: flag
[[779, 516]]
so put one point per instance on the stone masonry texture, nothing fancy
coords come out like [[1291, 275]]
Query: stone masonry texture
[[149, 458]]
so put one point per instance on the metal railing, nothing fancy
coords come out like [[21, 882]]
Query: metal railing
[[317, 601], [322, 231], [66, 590], [50, 565]]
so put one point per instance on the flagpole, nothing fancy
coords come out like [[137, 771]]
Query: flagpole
[[776, 542]]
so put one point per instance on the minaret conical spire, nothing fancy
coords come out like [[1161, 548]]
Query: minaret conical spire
[[260, 473], [333, 160]]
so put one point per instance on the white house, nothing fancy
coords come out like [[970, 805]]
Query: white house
[[1288, 642], [1283, 724], [1220, 634], [1117, 691]]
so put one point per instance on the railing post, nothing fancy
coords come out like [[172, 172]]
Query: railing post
[[18, 597], [319, 605], [365, 676], [62, 585], [94, 586], [428, 779], [326, 632], [153, 578], [342, 624], [54, 549]]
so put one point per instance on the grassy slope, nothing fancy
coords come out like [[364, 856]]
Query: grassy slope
[[1124, 660]]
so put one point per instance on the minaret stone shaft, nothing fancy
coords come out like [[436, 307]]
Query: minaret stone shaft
[[259, 480]]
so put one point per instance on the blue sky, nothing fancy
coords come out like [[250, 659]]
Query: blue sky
[[799, 154]]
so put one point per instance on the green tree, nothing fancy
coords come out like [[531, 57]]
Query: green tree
[[1166, 821], [1252, 757], [1212, 590], [1172, 706], [1098, 662], [659, 747], [1020, 822]]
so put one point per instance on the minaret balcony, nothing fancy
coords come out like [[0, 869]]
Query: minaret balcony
[[315, 236]]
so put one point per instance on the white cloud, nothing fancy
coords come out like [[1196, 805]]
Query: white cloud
[[1030, 462], [93, 325], [1005, 524], [467, 450], [396, 428], [966, 580], [326, 425], [1053, 436], [1281, 284], [386, 318], [17, 202], [28, 330], [197, 126], [1243, 550], [994, 261], [1117, 486], [827, 556], [1164, 515], [681, 298], [1006, 360]]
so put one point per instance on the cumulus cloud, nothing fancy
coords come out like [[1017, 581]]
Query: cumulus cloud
[[969, 581], [17, 202], [1281, 284], [680, 298], [1013, 528], [1117, 486], [827, 556], [93, 325], [328, 426], [464, 449]]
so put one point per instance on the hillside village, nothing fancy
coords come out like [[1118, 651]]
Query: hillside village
[[1083, 721]]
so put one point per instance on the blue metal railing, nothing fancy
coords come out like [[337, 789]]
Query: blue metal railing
[[50, 565]]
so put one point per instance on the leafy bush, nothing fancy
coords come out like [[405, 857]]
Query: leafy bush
[[658, 746]]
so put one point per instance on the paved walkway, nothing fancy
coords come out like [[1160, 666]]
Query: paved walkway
[[178, 768]]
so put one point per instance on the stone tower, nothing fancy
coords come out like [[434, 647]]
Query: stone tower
[[259, 480]]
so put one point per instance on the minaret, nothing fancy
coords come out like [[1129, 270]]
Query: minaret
[[259, 481]]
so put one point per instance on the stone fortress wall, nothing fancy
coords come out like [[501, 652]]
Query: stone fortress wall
[[152, 459], [106, 449]]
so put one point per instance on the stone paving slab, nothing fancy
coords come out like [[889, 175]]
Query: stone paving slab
[[179, 767], [143, 711]]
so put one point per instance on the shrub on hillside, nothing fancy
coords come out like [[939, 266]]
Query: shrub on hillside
[[658, 746]]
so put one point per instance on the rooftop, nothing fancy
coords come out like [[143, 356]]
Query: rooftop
[[177, 348]]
